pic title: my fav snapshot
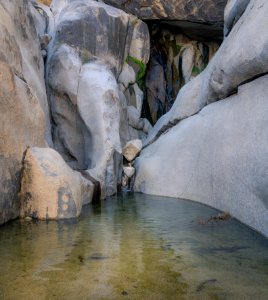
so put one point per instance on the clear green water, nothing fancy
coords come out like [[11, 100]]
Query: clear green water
[[134, 247]]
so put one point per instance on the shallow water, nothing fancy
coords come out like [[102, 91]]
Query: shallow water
[[134, 246]]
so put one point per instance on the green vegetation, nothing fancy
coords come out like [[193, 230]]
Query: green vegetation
[[196, 70], [140, 77]]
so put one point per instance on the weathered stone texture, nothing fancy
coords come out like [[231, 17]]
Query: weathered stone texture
[[207, 11], [50, 189], [24, 118]]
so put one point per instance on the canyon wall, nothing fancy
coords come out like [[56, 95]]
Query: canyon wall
[[212, 146], [82, 82]]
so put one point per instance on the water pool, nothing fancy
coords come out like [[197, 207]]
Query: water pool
[[134, 246]]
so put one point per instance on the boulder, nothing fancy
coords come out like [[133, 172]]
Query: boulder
[[95, 30], [175, 60], [233, 11], [129, 171], [249, 57], [24, 117], [132, 149], [50, 189], [91, 63], [206, 11], [218, 157]]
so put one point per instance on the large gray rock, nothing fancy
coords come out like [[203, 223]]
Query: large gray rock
[[95, 47], [233, 11], [50, 189], [218, 157], [94, 29], [100, 113], [206, 11], [242, 56], [24, 118], [132, 149]]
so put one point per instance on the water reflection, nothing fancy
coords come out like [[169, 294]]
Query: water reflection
[[134, 246]]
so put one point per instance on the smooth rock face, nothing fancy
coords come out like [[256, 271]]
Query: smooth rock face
[[233, 11], [218, 157], [187, 104], [93, 62], [100, 113], [129, 171], [50, 188], [249, 57], [24, 118], [132, 149], [206, 11]]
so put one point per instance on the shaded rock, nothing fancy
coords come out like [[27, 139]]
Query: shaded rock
[[217, 157], [175, 60], [50, 188], [207, 11], [24, 118], [156, 89], [233, 11], [132, 149]]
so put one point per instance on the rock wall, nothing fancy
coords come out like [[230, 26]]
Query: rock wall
[[212, 147], [95, 62], [24, 118]]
